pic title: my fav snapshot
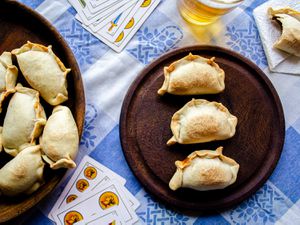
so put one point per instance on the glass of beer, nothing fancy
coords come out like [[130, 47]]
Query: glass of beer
[[203, 12]]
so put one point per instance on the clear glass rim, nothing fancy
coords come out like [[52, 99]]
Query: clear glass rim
[[226, 2]]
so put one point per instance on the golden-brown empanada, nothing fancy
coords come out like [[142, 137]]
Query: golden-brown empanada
[[201, 121], [8, 76], [22, 174], [60, 139], [205, 170], [44, 71], [193, 75], [24, 120], [289, 19]]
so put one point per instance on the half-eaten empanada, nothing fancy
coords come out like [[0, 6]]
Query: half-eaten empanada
[[193, 75], [44, 71], [289, 19], [24, 120], [201, 121], [60, 139], [8, 76], [22, 174], [205, 170]]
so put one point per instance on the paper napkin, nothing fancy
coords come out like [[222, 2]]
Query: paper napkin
[[269, 32]]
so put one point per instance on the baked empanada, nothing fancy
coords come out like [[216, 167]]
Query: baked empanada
[[8, 76], [205, 170], [193, 75], [44, 71], [24, 120], [22, 174], [289, 19], [201, 121], [59, 140]]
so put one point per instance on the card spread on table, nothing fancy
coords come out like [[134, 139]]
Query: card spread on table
[[93, 194], [111, 21]]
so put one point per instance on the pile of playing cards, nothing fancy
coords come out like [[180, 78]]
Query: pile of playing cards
[[95, 195], [114, 22]]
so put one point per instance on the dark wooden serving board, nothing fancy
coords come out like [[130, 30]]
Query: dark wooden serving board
[[19, 24], [256, 146]]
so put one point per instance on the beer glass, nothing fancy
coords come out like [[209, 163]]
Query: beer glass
[[202, 12]]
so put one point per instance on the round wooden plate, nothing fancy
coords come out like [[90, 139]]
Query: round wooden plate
[[19, 24], [256, 146]]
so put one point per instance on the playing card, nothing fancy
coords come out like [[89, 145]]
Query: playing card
[[96, 26], [95, 6], [111, 218], [97, 203], [132, 201], [130, 28], [88, 175], [88, 17], [114, 27]]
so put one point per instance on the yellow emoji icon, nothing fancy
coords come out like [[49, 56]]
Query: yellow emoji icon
[[71, 198], [108, 199], [90, 173], [112, 223], [82, 185], [72, 217]]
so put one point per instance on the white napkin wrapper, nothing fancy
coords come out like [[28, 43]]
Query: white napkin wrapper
[[269, 32]]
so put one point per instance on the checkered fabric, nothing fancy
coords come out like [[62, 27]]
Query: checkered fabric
[[278, 201]]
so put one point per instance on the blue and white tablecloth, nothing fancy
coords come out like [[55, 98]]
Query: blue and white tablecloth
[[107, 76]]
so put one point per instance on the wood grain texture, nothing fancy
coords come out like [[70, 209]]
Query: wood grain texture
[[256, 146], [18, 24]]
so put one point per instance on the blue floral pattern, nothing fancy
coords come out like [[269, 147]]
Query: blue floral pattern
[[266, 206], [88, 137], [246, 40], [86, 48], [152, 212], [153, 43]]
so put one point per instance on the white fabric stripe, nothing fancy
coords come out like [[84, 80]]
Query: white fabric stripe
[[52, 9], [291, 217], [107, 81]]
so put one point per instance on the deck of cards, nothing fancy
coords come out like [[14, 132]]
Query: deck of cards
[[114, 22], [95, 195]]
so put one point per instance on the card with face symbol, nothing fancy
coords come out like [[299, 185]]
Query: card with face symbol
[[111, 218], [89, 175], [97, 203]]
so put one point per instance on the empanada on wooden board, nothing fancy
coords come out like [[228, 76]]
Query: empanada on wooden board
[[193, 75], [60, 139], [24, 120], [205, 170], [44, 71], [8, 76], [200, 121], [22, 174]]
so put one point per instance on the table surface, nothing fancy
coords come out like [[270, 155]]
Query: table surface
[[107, 76]]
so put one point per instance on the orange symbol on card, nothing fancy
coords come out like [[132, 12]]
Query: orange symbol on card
[[108, 199], [82, 184], [130, 23], [90, 173], [71, 198], [112, 223], [120, 37], [72, 217], [146, 3]]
